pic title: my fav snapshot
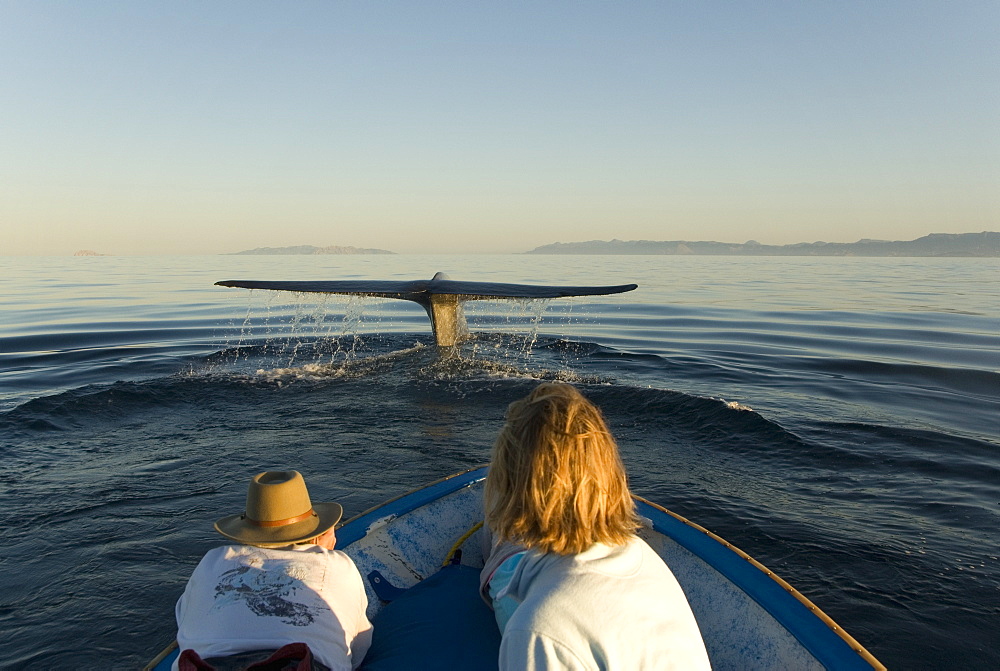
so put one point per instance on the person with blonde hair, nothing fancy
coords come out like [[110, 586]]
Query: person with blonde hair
[[281, 590], [571, 584]]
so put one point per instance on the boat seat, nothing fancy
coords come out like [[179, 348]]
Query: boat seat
[[439, 623]]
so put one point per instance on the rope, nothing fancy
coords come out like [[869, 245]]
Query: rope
[[454, 548]]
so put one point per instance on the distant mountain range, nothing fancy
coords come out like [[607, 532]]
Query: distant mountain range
[[310, 249], [985, 244]]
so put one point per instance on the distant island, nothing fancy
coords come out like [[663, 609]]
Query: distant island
[[88, 252], [310, 249], [985, 244]]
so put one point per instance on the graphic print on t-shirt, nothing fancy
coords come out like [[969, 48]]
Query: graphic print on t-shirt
[[270, 590]]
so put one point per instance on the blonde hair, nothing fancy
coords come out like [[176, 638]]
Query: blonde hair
[[556, 482]]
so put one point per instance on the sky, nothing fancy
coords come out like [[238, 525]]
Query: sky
[[141, 127]]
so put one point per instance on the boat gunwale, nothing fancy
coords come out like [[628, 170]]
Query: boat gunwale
[[421, 496], [861, 651], [166, 652]]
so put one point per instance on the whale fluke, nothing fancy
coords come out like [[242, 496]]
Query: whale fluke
[[440, 296]]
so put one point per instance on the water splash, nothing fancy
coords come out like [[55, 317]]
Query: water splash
[[311, 336]]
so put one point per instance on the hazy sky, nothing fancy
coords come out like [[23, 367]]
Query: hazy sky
[[201, 127]]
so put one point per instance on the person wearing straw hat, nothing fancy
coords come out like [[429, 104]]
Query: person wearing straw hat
[[281, 583]]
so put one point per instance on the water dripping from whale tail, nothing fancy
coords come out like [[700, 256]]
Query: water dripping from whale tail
[[440, 296]]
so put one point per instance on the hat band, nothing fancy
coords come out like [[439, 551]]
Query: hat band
[[281, 523]]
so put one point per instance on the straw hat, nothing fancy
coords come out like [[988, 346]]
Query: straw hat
[[279, 512]]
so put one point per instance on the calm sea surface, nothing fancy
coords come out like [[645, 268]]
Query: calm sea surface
[[836, 418]]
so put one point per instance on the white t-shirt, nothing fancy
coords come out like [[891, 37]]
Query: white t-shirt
[[242, 598], [609, 607]]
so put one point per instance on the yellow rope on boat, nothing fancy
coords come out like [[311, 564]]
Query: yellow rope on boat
[[454, 548]]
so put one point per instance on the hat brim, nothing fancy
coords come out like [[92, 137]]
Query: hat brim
[[238, 528]]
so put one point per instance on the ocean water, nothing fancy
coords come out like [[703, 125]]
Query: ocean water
[[836, 418]]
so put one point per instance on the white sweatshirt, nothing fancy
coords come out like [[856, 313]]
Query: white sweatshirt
[[608, 608], [242, 598]]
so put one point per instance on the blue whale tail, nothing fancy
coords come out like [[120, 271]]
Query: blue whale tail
[[440, 296]]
